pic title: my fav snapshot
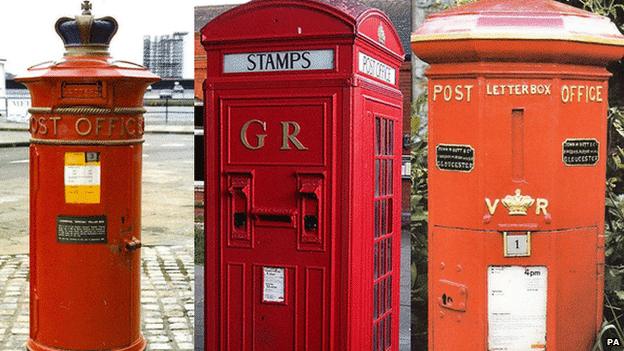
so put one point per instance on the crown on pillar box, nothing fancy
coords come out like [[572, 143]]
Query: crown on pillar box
[[517, 204], [85, 34]]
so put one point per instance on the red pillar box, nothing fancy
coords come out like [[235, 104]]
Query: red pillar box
[[303, 143], [517, 140], [85, 193]]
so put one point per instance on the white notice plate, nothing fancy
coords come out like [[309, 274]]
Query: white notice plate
[[517, 308], [278, 61], [273, 284], [517, 244], [376, 68]]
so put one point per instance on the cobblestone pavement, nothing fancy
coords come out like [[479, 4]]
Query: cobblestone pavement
[[166, 296]]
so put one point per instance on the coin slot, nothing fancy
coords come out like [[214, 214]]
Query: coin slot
[[274, 218]]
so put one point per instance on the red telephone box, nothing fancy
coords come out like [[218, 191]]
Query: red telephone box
[[85, 193], [517, 137], [303, 133]]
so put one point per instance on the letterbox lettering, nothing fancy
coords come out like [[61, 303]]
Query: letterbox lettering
[[517, 89], [83, 126], [460, 92], [581, 93], [87, 126]]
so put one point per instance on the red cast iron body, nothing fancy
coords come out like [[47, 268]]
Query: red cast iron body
[[303, 144], [85, 196], [523, 84]]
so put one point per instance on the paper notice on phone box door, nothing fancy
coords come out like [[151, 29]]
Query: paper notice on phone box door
[[273, 287]]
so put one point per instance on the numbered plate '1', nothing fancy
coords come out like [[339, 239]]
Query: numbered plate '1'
[[516, 244]]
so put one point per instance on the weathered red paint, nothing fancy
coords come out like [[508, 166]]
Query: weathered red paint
[[284, 148], [86, 296], [501, 80]]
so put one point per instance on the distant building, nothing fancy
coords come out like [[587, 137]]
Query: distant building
[[164, 54]]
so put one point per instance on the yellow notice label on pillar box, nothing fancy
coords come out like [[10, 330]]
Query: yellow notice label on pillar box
[[82, 177]]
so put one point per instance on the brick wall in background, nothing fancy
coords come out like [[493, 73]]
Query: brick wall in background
[[200, 67]]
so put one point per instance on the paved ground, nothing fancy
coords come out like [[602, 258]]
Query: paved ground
[[404, 332], [166, 297]]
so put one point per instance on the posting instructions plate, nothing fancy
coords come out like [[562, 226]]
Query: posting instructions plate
[[517, 308], [81, 229], [273, 284], [82, 177]]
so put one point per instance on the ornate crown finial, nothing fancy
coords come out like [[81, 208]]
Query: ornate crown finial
[[381, 34], [517, 204], [85, 34], [86, 7]]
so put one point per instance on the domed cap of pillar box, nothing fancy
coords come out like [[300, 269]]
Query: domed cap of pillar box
[[518, 31]]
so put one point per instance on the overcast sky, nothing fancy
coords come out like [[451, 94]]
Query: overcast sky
[[27, 35]]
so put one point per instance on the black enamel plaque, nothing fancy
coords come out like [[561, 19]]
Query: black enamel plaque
[[458, 158], [580, 152], [85, 230]]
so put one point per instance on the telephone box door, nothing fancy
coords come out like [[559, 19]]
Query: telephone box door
[[386, 238]]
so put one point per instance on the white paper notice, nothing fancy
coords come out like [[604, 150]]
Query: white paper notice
[[517, 308], [82, 175], [273, 290]]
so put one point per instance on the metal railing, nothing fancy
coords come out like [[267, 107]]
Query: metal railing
[[14, 109]]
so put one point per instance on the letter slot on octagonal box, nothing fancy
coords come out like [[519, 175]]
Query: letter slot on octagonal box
[[517, 149], [85, 193], [303, 143]]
